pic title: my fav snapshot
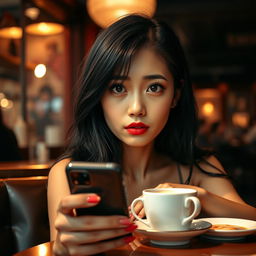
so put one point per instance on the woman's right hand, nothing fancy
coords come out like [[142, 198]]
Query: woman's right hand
[[87, 235]]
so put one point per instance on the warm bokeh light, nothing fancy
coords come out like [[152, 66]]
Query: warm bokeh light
[[5, 103], [208, 108], [11, 32], [42, 250], [209, 103], [32, 12], [105, 12], [44, 28], [40, 70], [120, 13], [241, 119]]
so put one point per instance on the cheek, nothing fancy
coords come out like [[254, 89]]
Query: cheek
[[111, 119], [111, 113], [161, 113]]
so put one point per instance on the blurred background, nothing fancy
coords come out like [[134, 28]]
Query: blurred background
[[42, 44]]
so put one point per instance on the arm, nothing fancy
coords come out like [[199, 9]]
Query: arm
[[218, 206], [81, 235], [57, 189], [218, 196]]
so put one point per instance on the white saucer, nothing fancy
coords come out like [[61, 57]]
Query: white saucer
[[230, 235], [172, 238]]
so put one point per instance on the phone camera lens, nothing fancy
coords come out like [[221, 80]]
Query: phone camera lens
[[83, 179], [80, 178]]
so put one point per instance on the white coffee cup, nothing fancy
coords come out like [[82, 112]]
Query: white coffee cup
[[168, 209]]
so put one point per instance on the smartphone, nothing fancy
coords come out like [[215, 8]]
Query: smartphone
[[104, 179]]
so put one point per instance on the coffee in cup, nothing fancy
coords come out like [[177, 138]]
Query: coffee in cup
[[168, 209]]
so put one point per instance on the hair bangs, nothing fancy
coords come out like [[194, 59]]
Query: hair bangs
[[126, 54]]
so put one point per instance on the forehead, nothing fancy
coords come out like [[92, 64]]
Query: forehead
[[148, 60]]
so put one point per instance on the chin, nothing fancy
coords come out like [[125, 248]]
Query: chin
[[136, 143]]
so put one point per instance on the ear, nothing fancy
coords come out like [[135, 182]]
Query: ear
[[176, 98]]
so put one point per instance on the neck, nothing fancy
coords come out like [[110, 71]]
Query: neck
[[138, 160]]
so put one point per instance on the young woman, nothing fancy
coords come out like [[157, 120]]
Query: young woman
[[135, 106]]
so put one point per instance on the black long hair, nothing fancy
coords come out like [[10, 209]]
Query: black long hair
[[113, 50]]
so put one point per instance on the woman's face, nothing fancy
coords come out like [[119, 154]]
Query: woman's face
[[136, 107]]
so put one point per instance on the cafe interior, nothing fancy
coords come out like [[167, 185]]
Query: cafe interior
[[42, 45]]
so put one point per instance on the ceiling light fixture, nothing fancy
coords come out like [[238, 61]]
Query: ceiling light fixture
[[9, 27], [44, 28], [105, 12]]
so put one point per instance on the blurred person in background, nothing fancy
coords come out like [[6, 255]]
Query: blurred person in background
[[9, 150], [43, 113]]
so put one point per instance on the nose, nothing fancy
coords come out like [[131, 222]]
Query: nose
[[136, 106]]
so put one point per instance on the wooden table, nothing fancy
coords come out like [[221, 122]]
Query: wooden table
[[198, 247], [24, 169]]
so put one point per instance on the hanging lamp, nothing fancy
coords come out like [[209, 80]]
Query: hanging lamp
[[9, 28], [11, 32], [44, 28], [105, 12], [39, 25]]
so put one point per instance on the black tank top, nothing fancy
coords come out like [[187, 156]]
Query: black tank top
[[180, 175]]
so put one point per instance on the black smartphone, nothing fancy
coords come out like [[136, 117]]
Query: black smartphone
[[104, 179]]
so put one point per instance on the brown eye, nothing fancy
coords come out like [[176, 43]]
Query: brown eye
[[117, 88], [155, 88]]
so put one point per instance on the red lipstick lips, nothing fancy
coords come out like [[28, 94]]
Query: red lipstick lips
[[136, 128]]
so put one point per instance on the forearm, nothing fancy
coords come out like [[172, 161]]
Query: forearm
[[216, 206]]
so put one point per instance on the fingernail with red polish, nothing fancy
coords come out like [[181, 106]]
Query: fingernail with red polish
[[131, 227], [128, 239], [93, 199]]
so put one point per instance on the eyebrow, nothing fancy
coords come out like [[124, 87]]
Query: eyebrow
[[147, 77], [155, 76]]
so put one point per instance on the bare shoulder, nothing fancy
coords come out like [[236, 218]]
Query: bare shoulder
[[59, 167], [57, 180], [212, 164], [204, 168], [206, 176]]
